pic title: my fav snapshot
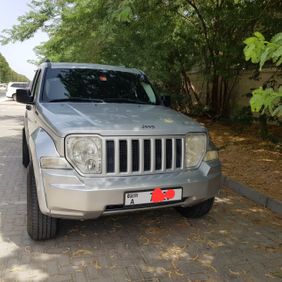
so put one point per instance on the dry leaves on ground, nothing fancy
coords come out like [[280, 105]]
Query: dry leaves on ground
[[247, 158]]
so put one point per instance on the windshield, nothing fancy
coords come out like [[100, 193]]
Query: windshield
[[84, 85]]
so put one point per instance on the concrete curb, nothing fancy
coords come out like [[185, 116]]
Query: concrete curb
[[267, 202]]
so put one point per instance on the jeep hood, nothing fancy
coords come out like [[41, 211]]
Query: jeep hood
[[115, 119]]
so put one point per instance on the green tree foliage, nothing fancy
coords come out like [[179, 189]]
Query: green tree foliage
[[165, 38], [266, 100], [7, 74]]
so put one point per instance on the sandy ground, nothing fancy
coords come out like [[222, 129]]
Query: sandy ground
[[247, 158]]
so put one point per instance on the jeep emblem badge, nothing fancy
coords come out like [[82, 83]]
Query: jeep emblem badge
[[146, 126]]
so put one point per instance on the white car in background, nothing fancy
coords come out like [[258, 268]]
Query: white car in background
[[3, 87], [12, 88]]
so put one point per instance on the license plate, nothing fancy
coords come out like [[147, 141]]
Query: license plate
[[153, 196]]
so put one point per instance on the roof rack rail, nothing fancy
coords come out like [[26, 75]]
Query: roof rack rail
[[48, 62]]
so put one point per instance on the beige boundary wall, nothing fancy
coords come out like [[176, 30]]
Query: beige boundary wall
[[243, 86]]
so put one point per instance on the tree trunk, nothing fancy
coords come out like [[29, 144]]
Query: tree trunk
[[196, 96], [263, 131], [221, 94], [214, 95], [225, 109], [186, 88], [208, 98]]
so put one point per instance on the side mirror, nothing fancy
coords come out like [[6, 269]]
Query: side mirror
[[166, 100], [24, 96]]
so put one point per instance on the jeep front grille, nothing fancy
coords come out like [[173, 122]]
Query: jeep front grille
[[142, 155]]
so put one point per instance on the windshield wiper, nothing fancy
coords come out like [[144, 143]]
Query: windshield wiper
[[78, 99], [125, 100]]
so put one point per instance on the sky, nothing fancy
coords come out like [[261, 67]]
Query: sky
[[18, 54]]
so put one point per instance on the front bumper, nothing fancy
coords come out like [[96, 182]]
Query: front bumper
[[9, 94], [68, 195]]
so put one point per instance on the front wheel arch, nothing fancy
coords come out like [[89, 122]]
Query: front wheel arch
[[39, 225]]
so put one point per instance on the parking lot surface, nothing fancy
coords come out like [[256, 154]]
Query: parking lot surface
[[237, 241]]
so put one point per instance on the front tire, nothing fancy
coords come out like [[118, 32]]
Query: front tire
[[14, 97], [39, 225], [25, 153], [198, 210]]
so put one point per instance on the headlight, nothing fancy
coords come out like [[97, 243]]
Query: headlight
[[195, 149], [85, 153]]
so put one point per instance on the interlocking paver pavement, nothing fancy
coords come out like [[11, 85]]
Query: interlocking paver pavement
[[237, 241]]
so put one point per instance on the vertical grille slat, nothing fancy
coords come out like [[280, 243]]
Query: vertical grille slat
[[163, 154], [173, 158], [129, 156], [110, 156], [168, 153], [158, 155], [178, 153], [182, 153], [153, 153], [135, 155], [122, 156], [140, 155], [116, 156], [147, 155]]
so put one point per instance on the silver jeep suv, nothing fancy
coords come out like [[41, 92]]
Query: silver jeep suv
[[98, 140]]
